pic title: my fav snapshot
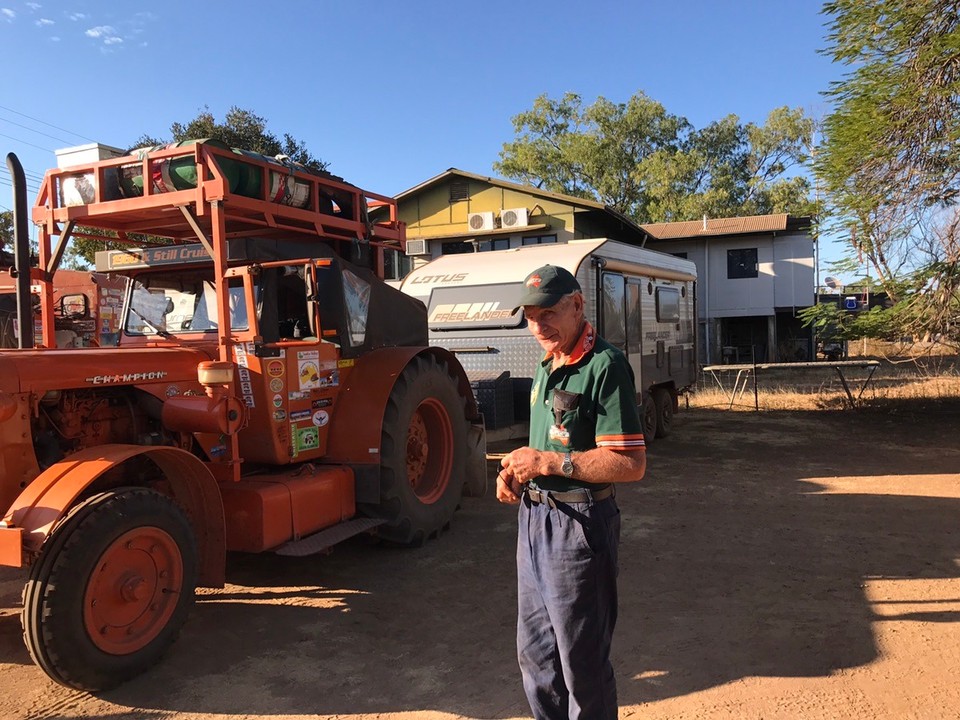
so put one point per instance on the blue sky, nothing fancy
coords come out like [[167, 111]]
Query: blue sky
[[389, 93]]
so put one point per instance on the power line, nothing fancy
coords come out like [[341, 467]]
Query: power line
[[38, 132], [44, 122], [10, 137], [6, 180], [31, 175], [31, 184]]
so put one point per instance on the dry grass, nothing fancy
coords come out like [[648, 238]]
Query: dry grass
[[891, 385]]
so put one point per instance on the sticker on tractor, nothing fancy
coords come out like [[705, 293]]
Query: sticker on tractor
[[345, 363], [308, 355], [278, 400], [172, 391], [320, 418], [321, 403], [279, 415], [296, 415], [299, 395], [241, 353], [308, 438], [275, 368], [309, 374], [276, 385]]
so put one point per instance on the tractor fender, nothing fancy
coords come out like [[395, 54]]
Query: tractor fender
[[46, 500], [357, 423]]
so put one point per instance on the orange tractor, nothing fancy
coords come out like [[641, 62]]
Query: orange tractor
[[269, 393]]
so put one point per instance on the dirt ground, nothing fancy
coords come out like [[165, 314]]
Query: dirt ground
[[773, 565]]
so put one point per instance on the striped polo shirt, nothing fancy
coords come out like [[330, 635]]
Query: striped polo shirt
[[605, 412]]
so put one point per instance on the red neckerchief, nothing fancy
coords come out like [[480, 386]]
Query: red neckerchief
[[584, 344]]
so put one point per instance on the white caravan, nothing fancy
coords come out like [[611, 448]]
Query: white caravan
[[641, 301]]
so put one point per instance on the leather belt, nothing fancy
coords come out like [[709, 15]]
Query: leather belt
[[583, 495]]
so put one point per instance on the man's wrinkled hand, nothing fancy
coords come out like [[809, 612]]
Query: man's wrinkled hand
[[509, 488]]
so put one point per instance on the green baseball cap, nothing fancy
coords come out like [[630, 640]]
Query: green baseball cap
[[546, 285]]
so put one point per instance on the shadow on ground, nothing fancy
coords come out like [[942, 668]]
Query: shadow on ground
[[735, 562]]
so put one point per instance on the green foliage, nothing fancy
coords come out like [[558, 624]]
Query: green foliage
[[6, 230], [832, 323], [81, 252], [654, 166], [894, 132], [890, 161], [245, 130]]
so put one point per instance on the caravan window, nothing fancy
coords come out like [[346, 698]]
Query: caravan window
[[475, 307], [634, 324], [668, 305], [614, 329]]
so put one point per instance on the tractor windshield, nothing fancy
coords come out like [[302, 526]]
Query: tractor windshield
[[176, 303]]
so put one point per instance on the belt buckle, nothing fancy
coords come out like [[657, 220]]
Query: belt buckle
[[539, 497]]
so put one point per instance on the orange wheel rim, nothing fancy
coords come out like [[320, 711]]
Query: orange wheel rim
[[133, 590], [429, 451]]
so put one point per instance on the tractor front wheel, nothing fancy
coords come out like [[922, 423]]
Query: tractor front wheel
[[423, 453], [111, 589]]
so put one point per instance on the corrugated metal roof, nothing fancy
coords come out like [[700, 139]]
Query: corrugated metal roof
[[718, 226], [657, 231], [529, 189]]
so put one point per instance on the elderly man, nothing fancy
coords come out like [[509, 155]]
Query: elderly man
[[585, 435]]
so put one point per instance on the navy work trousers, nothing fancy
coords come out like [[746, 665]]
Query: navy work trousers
[[567, 598]]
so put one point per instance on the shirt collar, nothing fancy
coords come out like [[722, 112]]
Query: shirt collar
[[584, 344]]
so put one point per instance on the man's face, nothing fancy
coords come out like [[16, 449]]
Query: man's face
[[556, 328]]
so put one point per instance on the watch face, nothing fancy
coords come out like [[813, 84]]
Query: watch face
[[567, 466]]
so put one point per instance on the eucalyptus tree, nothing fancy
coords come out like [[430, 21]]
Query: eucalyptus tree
[[890, 160], [654, 166]]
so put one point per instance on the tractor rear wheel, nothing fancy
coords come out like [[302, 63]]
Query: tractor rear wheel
[[111, 589], [423, 453]]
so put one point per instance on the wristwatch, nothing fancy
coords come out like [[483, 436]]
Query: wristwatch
[[567, 467]]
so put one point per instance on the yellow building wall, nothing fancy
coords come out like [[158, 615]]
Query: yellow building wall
[[431, 214]]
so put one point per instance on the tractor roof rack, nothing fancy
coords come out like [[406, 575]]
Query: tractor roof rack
[[170, 192]]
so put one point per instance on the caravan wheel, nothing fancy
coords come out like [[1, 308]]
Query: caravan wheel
[[648, 417], [664, 404]]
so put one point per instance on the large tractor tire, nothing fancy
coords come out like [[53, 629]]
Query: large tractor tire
[[664, 404], [423, 453], [111, 589]]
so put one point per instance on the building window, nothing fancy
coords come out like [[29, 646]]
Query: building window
[[494, 244], [742, 263], [459, 190], [539, 239], [396, 265], [455, 248]]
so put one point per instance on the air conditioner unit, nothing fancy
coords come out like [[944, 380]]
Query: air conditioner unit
[[514, 217], [418, 247], [481, 221]]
